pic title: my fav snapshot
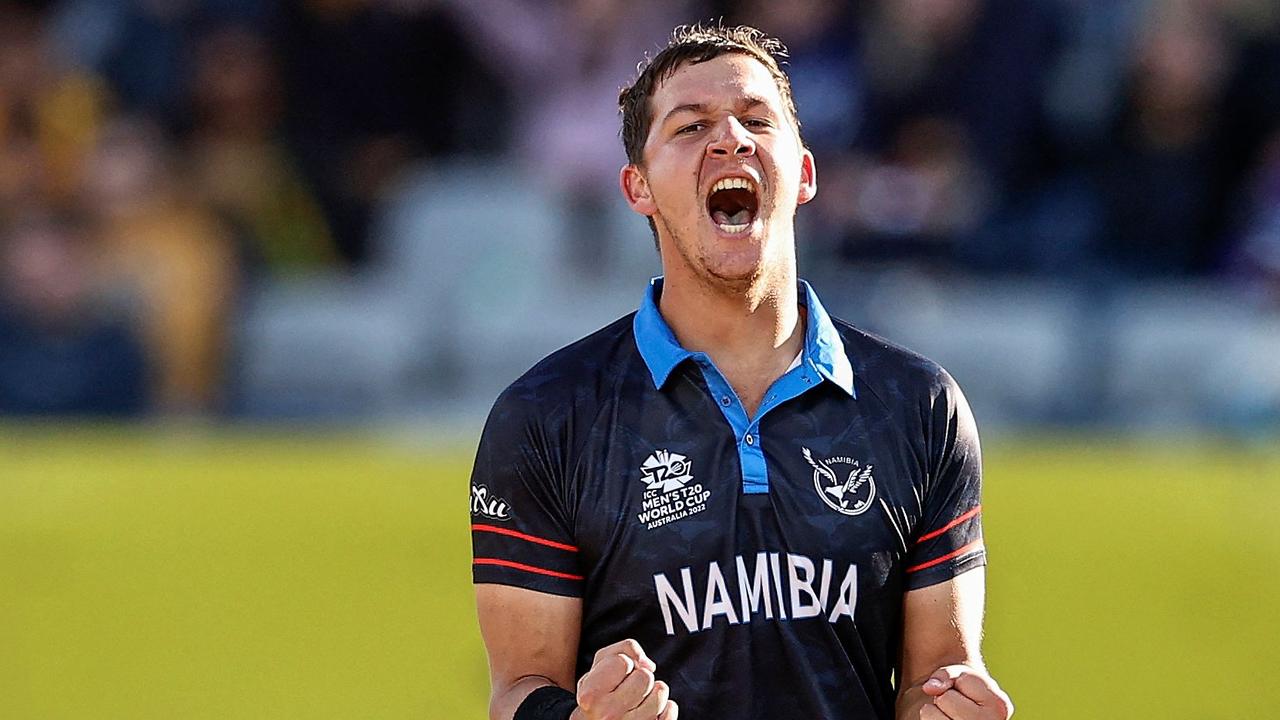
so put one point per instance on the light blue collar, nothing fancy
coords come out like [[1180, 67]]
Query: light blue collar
[[662, 352]]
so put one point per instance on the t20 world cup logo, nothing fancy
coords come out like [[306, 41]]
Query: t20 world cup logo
[[666, 470]]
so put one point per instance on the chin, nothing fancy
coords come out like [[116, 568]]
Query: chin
[[737, 273]]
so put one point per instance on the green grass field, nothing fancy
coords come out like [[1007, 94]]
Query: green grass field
[[260, 575]]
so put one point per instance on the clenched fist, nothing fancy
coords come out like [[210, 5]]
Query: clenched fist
[[620, 686], [960, 692]]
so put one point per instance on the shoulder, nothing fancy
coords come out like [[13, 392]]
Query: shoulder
[[923, 399], [891, 370], [570, 379]]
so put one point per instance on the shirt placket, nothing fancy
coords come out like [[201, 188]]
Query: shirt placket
[[746, 430]]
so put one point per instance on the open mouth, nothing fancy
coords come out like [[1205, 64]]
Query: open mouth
[[732, 204]]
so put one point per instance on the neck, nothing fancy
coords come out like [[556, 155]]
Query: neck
[[751, 333]]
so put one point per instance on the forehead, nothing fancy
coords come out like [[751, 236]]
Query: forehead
[[720, 81]]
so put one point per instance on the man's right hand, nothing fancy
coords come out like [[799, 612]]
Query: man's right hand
[[620, 685]]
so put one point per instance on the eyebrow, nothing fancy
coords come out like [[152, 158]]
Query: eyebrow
[[749, 102]]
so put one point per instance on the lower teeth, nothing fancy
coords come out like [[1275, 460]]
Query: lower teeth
[[733, 228]]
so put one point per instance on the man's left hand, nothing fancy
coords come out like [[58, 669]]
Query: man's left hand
[[960, 692]]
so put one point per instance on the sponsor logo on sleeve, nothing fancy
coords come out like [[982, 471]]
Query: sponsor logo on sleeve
[[486, 504], [670, 493], [843, 483]]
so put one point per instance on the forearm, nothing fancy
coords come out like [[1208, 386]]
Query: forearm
[[532, 642], [505, 701]]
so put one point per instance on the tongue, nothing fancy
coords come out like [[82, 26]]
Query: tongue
[[740, 217]]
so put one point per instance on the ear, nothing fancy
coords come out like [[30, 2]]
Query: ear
[[635, 188], [808, 179]]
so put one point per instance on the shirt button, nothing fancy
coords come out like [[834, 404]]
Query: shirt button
[[725, 401], [751, 440]]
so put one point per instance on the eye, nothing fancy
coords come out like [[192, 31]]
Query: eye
[[757, 123], [690, 128]]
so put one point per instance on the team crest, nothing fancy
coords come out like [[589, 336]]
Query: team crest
[[669, 491], [844, 484]]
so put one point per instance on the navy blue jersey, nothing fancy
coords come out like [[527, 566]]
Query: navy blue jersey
[[760, 561]]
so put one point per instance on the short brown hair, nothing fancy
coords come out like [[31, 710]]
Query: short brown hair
[[696, 44]]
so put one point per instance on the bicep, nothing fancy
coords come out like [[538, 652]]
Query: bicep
[[942, 625], [529, 636]]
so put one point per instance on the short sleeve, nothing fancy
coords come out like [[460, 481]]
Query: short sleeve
[[948, 540], [521, 532]]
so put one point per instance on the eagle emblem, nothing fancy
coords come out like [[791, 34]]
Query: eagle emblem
[[851, 493]]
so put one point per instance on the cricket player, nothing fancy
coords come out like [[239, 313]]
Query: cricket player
[[729, 505]]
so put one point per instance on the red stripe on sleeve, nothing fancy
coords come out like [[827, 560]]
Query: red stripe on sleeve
[[955, 553], [526, 568], [522, 536], [950, 525]]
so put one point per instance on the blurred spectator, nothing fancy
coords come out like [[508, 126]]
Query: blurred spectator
[[139, 47], [564, 62], [982, 63], [1160, 171], [374, 86], [239, 161], [142, 48], [62, 351], [166, 256], [1257, 256], [920, 198], [1251, 112], [48, 113], [954, 121], [1088, 74]]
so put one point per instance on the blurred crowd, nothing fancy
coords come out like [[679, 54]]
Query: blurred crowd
[[159, 158]]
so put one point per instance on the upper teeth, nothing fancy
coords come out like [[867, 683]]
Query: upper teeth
[[734, 183]]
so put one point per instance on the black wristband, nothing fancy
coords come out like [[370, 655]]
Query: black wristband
[[547, 703]]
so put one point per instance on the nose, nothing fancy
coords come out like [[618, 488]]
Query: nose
[[731, 138]]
